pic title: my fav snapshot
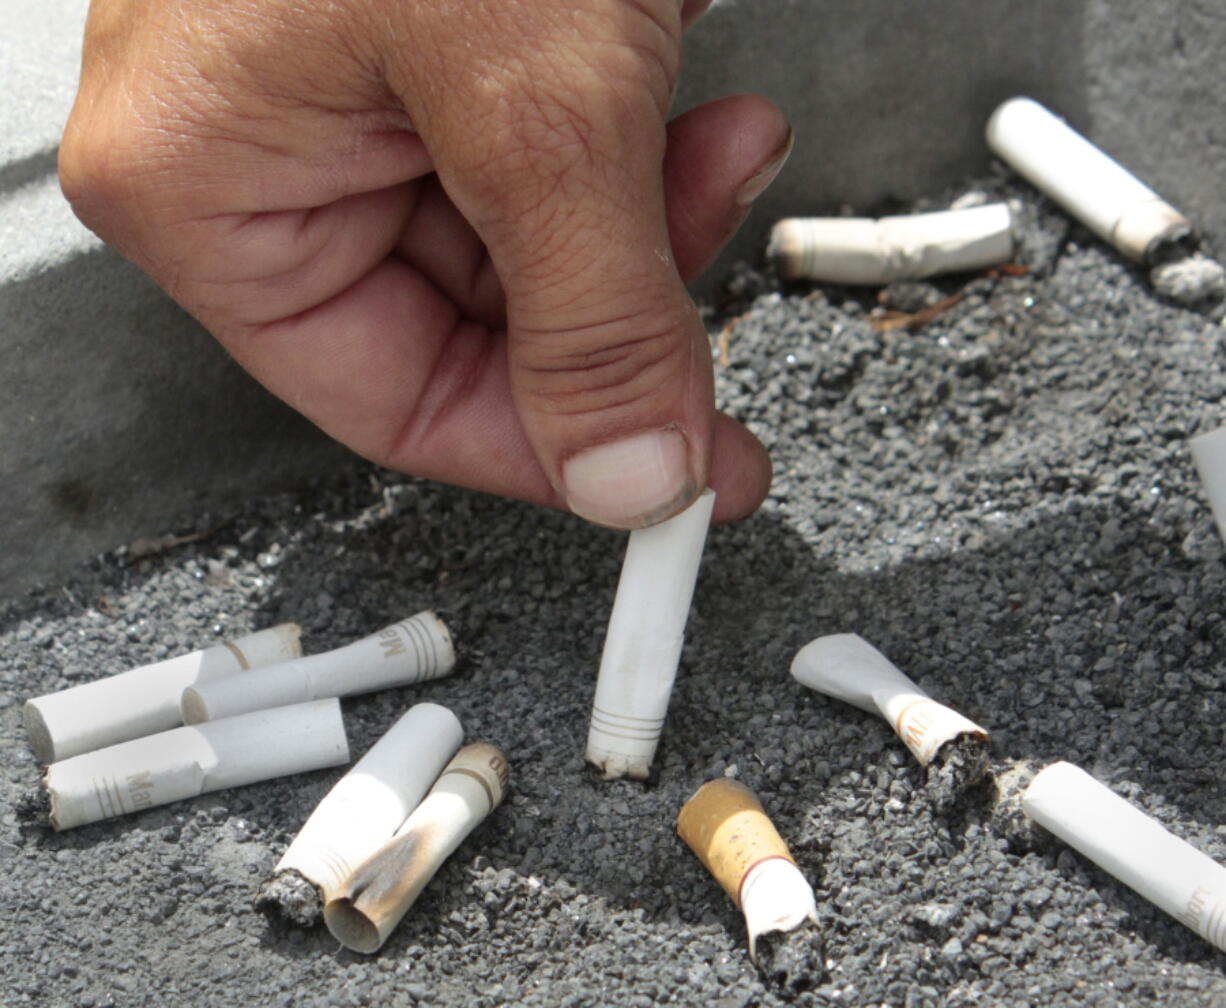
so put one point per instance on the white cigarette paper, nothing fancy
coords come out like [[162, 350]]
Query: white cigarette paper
[[849, 668], [378, 895], [193, 760], [414, 650], [860, 250], [1209, 455], [1121, 839], [144, 700], [365, 807], [643, 644], [1107, 198]]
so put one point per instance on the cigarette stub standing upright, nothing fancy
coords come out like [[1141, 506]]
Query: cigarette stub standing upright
[[414, 650], [849, 668], [362, 811], [860, 250], [195, 759], [1107, 198], [643, 644], [1121, 839], [145, 700], [725, 826], [380, 892]]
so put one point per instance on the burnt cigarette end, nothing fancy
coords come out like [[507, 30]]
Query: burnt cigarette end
[[791, 962], [289, 898], [960, 765], [33, 806]]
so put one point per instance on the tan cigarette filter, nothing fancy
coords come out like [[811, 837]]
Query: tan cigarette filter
[[724, 824]]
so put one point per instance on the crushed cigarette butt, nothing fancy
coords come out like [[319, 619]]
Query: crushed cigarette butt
[[863, 251], [849, 668], [377, 895], [725, 826], [361, 812]]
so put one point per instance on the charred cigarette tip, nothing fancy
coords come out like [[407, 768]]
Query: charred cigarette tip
[[289, 897]]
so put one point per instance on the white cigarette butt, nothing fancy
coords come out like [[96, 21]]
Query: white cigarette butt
[[1121, 839], [849, 668], [860, 250], [643, 644], [365, 807], [145, 700], [1209, 455], [193, 760], [377, 896], [414, 650], [1098, 191]]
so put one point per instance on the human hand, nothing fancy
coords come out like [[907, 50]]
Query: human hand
[[453, 234]]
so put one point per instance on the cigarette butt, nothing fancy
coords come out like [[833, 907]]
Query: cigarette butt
[[849, 668], [414, 650], [363, 809], [860, 250], [725, 826], [193, 760], [643, 643], [145, 700], [1088, 184], [377, 896], [1124, 841], [1209, 455]]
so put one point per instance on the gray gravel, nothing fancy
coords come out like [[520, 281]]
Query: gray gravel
[[1002, 502]]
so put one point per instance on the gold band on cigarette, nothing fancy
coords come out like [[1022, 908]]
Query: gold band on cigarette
[[724, 824]]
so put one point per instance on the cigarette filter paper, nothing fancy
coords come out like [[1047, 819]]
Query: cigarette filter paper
[[411, 651], [195, 759], [365, 807], [1098, 191], [643, 644], [145, 700], [849, 668], [1121, 839], [1209, 455], [377, 896], [859, 250], [725, 826]]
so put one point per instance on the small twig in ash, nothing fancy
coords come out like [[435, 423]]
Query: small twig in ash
[[892, 320], [139, 549], [725, 339]]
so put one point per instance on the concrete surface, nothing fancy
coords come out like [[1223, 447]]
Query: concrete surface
[[119, 419]]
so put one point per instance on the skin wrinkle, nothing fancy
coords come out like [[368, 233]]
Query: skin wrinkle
[[525, 108]]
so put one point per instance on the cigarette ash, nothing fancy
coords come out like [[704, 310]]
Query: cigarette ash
[[791, 962], [1006, 818], [958, 766], [288, 897]]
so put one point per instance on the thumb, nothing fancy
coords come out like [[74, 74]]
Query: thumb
[[556, 159]]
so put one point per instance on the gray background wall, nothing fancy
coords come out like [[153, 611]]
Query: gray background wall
[[120, 419]]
